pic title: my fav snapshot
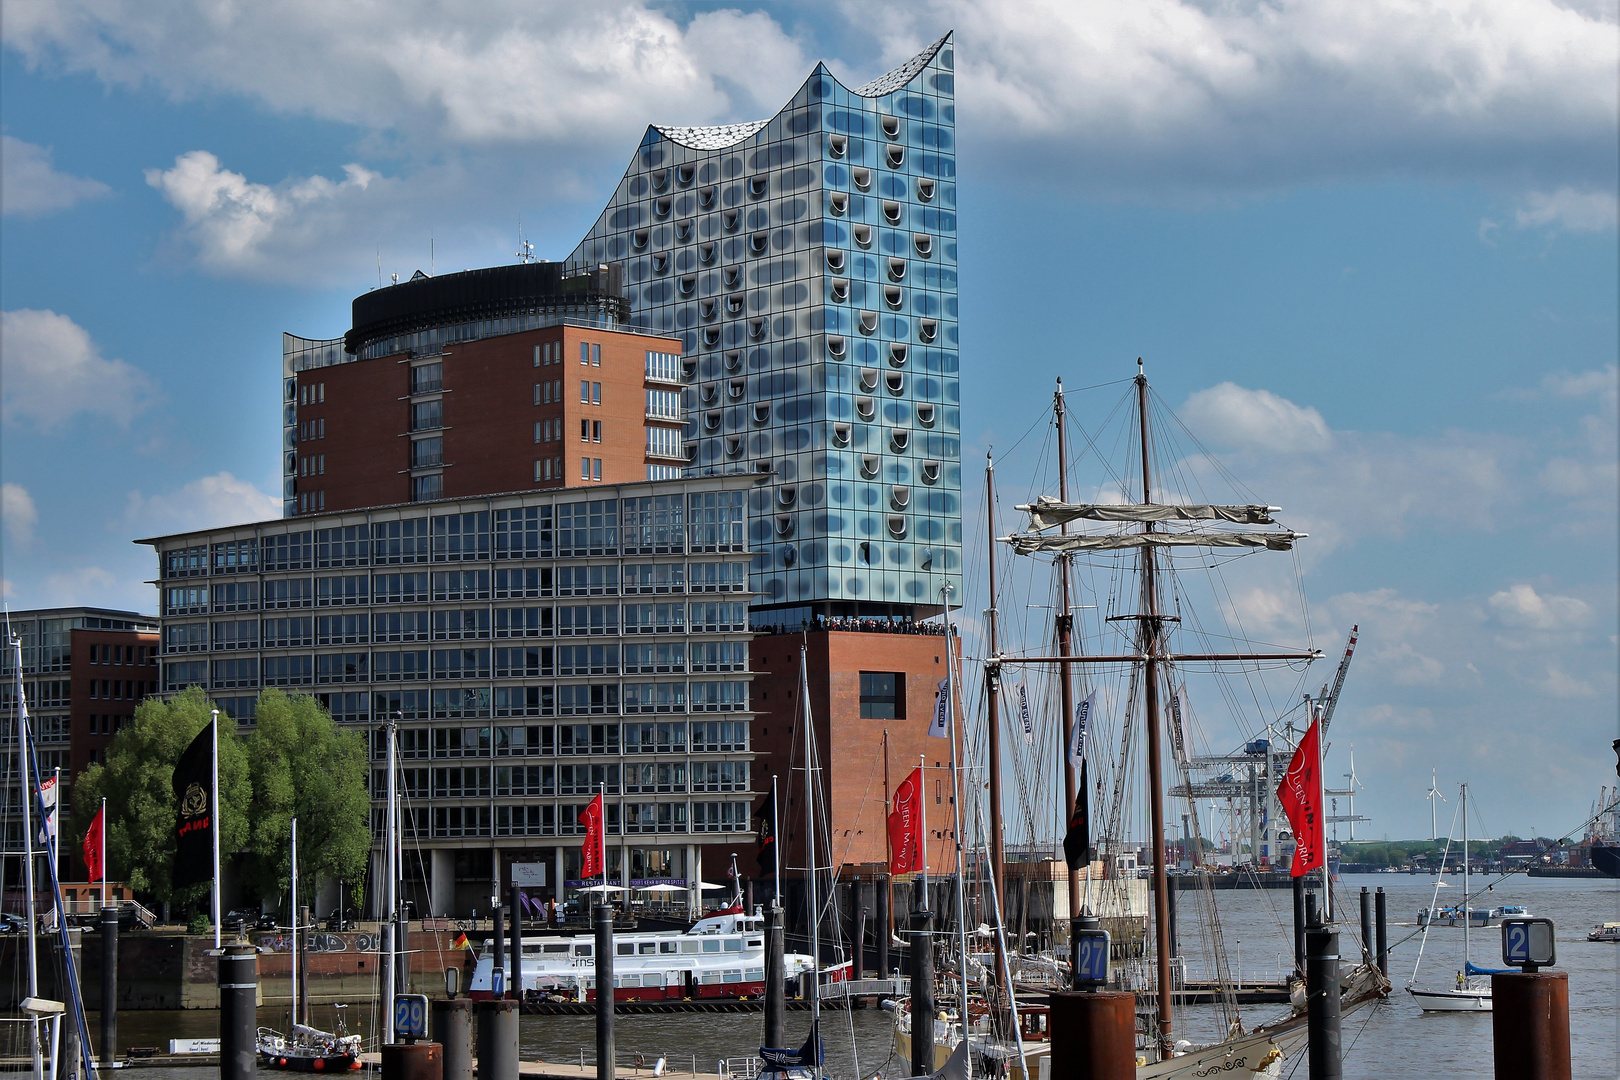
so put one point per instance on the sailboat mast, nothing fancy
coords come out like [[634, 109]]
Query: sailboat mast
[[1065, 629], [956, 807], [811, 760], [390, 959], [1468, 920], [992, 686], [24, 780], [1150, 640], [294, 902]]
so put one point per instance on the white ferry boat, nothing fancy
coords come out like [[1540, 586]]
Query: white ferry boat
[[1476, 917], [722, 956]]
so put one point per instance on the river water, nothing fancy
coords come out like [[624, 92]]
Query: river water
[[1391, 1041]]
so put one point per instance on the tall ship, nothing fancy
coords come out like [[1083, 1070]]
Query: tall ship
[[721, 957]]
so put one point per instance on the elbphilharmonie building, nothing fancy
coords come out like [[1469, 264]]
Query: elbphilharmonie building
[[808, 264]]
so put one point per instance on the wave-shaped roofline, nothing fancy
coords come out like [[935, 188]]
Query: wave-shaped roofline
[[721, 136]]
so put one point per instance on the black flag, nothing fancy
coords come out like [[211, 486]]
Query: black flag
[[1077, 841], [194, 811], [767, 840]]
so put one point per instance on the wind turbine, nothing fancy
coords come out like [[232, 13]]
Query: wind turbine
[[1352, 783], [1434, 793]]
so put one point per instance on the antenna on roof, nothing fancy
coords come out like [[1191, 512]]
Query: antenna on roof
[[525, 251], [430, 254], [379, 266]]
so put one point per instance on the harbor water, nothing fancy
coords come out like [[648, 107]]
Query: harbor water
[[1382, 1042]]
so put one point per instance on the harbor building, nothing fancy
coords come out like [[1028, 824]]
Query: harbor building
[[534, 648], [84, 670]]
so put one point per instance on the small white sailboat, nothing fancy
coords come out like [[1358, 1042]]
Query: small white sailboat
[[1471, 993]]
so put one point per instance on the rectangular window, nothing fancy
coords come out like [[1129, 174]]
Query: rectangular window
[[461, 585], [342, 629], [455, 624], [522, 533], [292, 633], [320, 426], [399, 625], [427, 453], [289, 592], [596, 356], [237, 596], [596, 468], [399, 588], [720, 816], [399, 666], [661, 697], [341, 668], [596, 431], [529, 661], [347, 545], [652, 577], [526, 701], [511, 622], [587, 580], [712, 696], [663, 367], [882, 695], [665, 442], [584, 353], [717, 521], [587, 659], [655, 657], [236, 635], [587, 619], [719, 656], [345, 707], [405, 705], [461, 663], [588, 528], [530, 582], [289, 670], [584, 392], [186, 562], [584, 468], [427, 378], [587, 738], [185, 600], [322, 459], [537, 393], [596, 393], [404, 541], [649, 777], [459, 537], [719, 618], [584, 431], [427, 415], [720, 776], [190, 673], [236, 557], [537, 354], [654, 618], [663, 404], [184, 637], [427, 488], [588, 699], [718, 577], [537, 438], [340, 591]]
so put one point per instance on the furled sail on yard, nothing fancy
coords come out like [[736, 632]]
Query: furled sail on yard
[[1047, 512], [1031, 543]]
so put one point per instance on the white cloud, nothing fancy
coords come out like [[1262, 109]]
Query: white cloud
[[1236, 416], [88, 585], [1522, 606], [237, 225], [1566, 208], [30, 184], [18, 510], [207, 502], [1123, 98], [53, 371]]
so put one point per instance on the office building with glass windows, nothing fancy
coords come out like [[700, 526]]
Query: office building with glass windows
[[534, 648]]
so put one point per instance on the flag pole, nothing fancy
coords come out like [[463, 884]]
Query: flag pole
[[1321, 821], [601, 796], [922, 804], [103, 851], [214, 887], [776, 844]]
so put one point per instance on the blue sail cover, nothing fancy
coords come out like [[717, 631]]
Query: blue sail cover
[[1474, 969], [808, 1054]]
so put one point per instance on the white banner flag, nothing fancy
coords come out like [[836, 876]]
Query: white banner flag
[[1082, 718], [1023, 713], [941, 728], [1178, 736], [47, 818]]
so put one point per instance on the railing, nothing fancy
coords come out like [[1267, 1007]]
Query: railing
[[738, 1068]]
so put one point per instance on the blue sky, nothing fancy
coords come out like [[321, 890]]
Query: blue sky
[[1369, 255]]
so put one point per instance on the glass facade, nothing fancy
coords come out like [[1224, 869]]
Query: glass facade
[[505, 633], [808, 265]]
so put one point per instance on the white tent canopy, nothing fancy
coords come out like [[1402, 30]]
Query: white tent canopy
[[604, 888]]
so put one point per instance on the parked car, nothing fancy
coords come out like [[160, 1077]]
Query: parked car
[[12, 924]]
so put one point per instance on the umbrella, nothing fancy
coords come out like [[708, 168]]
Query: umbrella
[[706, 885], [663, 888], [604, 888]]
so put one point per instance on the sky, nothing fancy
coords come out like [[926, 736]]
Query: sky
[[1367, 252]]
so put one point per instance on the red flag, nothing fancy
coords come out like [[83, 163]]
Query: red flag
[[591, 861], [905, 825], [1301, 797], [92, 847]]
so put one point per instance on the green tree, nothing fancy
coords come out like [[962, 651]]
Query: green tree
[[305, 766], [136, 779]]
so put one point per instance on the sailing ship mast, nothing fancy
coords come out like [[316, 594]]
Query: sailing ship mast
[[1151, 652], [992, 688], [25, 782], [812, 761], [1065, 642]]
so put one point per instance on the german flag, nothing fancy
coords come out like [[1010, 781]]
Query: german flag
[[461, 942]]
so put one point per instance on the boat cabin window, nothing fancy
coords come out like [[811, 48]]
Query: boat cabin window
[[711, 946], [756, 943], [531, 950], [669, 946], [582, 950], [693, 946], [734, 944], [626, 948], [553, 949], [646, 947]]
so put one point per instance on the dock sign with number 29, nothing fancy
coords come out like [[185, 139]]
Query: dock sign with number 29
[[1528, 943], [411, 1016], [1091, 958]]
